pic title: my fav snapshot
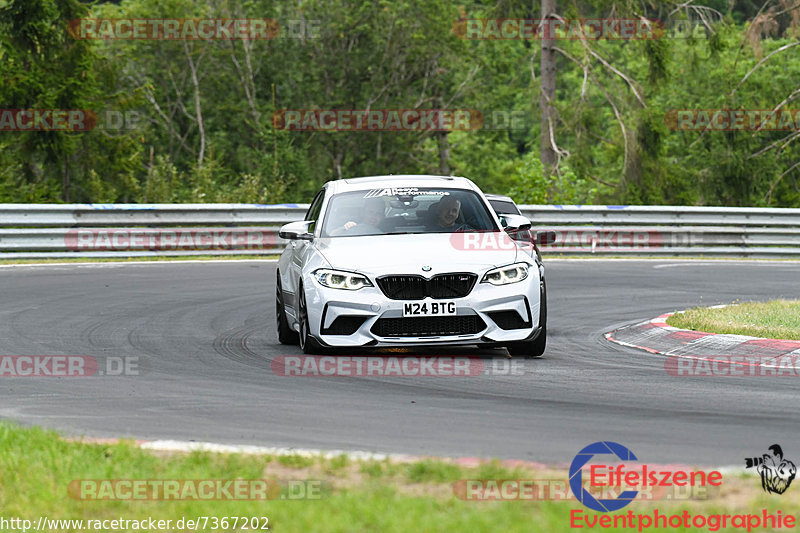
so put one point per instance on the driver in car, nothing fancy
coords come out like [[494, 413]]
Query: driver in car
[[446, 213]]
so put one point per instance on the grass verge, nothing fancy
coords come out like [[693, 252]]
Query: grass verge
[[37, 467], [776, 319]]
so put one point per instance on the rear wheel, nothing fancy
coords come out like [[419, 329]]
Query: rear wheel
[[286, 335], [534, 348]]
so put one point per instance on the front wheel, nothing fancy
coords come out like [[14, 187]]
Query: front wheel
[[286, 335], [534, 348], [308, 343]]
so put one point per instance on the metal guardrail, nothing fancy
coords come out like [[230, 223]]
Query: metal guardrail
[[131, 230], [670, 230], [112, 230], [99, 215], [656, 215]]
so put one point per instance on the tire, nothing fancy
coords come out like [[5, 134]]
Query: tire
[[534, 348], [308, 343], [286, 335]]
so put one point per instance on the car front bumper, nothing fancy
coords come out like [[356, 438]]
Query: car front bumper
[[488, 307]]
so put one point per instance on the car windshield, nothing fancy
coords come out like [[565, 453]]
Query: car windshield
[[387, 211]]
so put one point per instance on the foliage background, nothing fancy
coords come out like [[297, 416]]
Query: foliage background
[[204, 133]]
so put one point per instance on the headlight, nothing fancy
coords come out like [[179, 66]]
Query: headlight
[[339, 279], [506, 274]]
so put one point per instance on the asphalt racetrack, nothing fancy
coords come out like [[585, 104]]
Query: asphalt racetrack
[[204, 336]]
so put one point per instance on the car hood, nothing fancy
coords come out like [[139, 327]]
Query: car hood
[[407, 254]]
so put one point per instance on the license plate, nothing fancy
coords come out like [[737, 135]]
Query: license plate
[[429, 309]]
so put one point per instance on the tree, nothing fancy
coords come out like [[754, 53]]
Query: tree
[[548, 89]]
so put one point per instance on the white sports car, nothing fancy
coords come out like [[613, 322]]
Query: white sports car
[[408, 261]]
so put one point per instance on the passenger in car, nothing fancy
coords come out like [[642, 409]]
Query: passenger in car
[[372, 219]]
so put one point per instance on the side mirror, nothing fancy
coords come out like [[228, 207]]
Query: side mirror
[[513, 223], [545, 237], [296, 231]]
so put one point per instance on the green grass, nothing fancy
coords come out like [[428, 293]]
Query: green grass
[[37, 466], [776, 319], [295, 461], [433, 471]]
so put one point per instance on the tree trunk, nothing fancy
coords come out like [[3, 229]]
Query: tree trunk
[[65, 180], [444, 154], [548, 88], [197, 108]]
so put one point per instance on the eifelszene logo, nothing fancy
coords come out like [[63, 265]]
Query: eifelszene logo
[[614, 479], [776, 472], [576, 478]]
